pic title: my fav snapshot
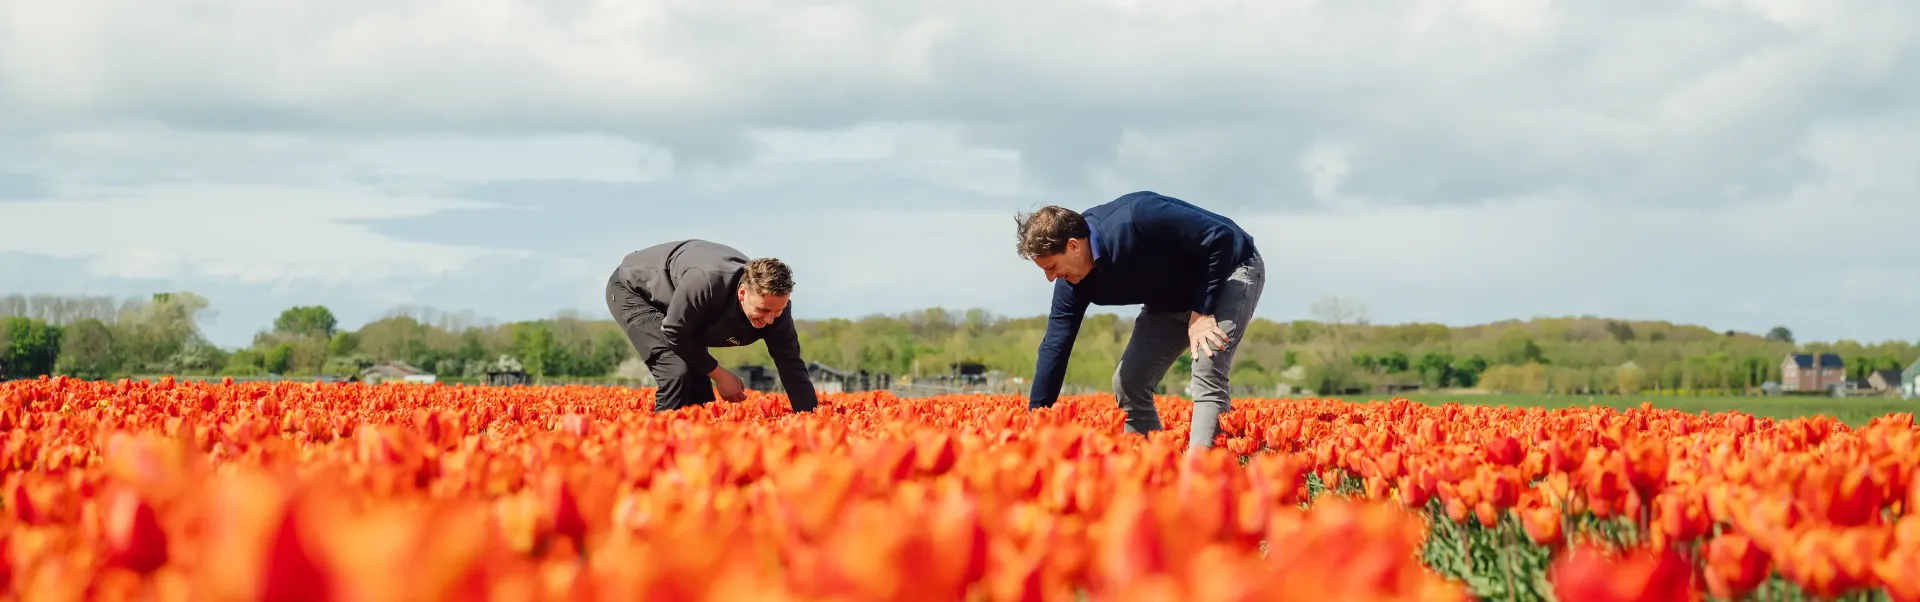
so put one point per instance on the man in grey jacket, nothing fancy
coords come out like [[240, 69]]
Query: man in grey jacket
[[676, 299]]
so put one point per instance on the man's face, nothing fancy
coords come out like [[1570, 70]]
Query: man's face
[[761, 309], [1073, 264]]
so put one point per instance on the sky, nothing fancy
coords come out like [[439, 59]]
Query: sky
[[1738, 164]]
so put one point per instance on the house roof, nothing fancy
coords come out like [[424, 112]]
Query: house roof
[[1827, 360], [1886, 375], [393, 368], [823, 368], [1911, 371]]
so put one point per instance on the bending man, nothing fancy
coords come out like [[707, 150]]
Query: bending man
[[676, 299], [1196, 275]]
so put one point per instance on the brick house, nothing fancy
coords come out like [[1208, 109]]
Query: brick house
[[1808, 373]]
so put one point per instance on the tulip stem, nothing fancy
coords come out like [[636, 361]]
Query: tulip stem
[[1506, 560]]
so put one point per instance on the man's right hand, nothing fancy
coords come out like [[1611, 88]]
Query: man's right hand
[[731, 389]]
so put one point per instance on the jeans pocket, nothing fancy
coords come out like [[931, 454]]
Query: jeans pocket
[[1245, 274]]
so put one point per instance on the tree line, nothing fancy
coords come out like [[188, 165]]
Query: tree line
[[1337, 350]]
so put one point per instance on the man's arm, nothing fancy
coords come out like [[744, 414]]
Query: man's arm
[[693, 302], [1216, 243], [1063, 325], [783, 345]]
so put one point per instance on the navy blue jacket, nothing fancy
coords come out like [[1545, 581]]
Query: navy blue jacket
[[1148, 249]]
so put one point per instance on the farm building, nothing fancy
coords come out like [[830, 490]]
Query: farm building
[[506, 372], [757, 378], [828, 379], [1910, 381], [1808, 373], [968, 373], [395, 372], [1884, 382], [1851, 387]]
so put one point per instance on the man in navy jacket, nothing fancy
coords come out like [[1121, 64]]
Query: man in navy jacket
[[1196, 275], [676, 299]]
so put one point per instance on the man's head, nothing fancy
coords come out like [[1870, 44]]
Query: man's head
[[1056, 239], [764, 289]]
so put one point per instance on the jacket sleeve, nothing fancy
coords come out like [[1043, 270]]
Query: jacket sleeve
[[783, 345], [1211, 240], [693, 303], [1063, 326]]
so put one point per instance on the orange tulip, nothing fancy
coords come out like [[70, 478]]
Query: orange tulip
[[1735, 566], [1680, 515], [133, 537], [1584, 573], [1542, 525], [438, 493]]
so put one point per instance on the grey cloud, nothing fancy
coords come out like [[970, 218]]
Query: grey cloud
[[15, 185], [572, 215], [1055, 155], [1604, 100]]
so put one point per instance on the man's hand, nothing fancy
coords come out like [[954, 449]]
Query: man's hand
[[731, 389], [1204, 336]]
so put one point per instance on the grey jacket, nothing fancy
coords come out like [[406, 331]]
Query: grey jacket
[[692, 284]]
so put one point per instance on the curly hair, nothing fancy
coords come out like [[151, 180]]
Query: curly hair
[[768, 276], [1045, 232]]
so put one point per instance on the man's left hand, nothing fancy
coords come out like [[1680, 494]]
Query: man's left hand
[[1204, 335]]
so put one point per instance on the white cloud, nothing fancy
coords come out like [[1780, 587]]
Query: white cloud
[[1745, 162], [257, 235], [560, 157], [1436, 101]]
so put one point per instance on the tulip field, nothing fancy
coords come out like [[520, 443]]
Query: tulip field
[[171, 491]]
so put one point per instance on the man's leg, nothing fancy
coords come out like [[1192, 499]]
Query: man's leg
[[674, 386], [678, 386], [1210, 390], [1158, 338]]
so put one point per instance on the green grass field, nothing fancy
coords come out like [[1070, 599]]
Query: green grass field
[[1854, 411]]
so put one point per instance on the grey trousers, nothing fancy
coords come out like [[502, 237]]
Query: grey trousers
[[1159, 338]]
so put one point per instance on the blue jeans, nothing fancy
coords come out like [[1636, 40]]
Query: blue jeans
[[1160, 337]]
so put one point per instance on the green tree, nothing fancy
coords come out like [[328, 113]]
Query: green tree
[[152, 337], [86, 350], [306, 320], [278, 359], [343, 344], [29, 347], [1364, 361], [1436, 369], [1302, 331], [1517, 348], [244, 362], [1780, 334], [1620, 331], [609, 349], [1466, 372], [1394, 361], [533, 345]]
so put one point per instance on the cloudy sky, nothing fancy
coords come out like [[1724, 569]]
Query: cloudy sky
[[1734, 163]]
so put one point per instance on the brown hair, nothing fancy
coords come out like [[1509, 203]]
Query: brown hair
[[768, 276], [1045, 232]]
